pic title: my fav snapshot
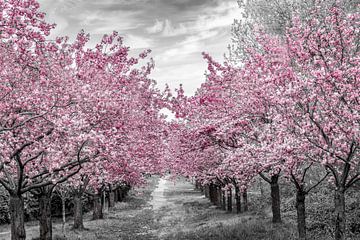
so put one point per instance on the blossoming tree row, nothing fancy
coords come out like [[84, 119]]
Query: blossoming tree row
[[88, 117], [291, 105]]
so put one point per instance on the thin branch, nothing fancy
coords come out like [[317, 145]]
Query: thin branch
[[33, 158], [353, 180], [264, 177], [317, 184], [332, 169], [306, 169]]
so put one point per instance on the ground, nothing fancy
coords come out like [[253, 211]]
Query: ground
[[167, 209]]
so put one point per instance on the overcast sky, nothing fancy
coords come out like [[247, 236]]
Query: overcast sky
[[176, 31]]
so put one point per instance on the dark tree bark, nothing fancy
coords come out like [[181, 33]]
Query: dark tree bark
[[275, 196], [301, 192], [223, 201], [102, 199], [16, 207], [340, 221], [78, 212], [119, 195], [116, 195], [78, 204], [229, 200], [98, 210], [215, 195], [111, 199], [245, 200], [342, 183], [237, 199], [301, 214], [218, 196], [275, 199], [212, 193], [45, 219], [207, 191]]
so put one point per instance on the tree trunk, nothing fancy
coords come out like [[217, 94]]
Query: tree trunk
[[197, 185], [111, 199], [78, 213], [340, 222], [301, 214], [262, 194], [223, 201], [97, 211], [218, 196], [275, 199], [207, 191], [124, 192], [116, 195], [237, 199], [119, 195], [229, 200], [212, 193], [45, 216], [16, 208], [63, 214], [102, 199], [245, 200]]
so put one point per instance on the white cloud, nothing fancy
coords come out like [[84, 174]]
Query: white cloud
[[102, 24], [171, 31], [180, 51], [137, 42], [199, 37], [156, 28], [210, 18]]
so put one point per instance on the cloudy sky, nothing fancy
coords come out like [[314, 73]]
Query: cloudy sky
[[176, 31]]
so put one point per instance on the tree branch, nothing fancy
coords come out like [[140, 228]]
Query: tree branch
[[264, 177]]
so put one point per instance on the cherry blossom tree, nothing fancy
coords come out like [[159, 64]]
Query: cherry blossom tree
[[290, 104], [63, 105], [325, 56]]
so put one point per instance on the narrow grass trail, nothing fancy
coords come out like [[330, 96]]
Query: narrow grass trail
[[181, 212]]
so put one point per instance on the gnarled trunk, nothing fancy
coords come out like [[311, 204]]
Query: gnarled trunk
[[119, 197], [16, 208], [245, 200], [124, 192], [301, 214], [78, 213], [45, 216], [275, 199], [223, 200], [340, 221], [98, 210], [218, 196], [116, 195], [213, 193], [229, 200], [207, 191], [111, 199], [237, 199]]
